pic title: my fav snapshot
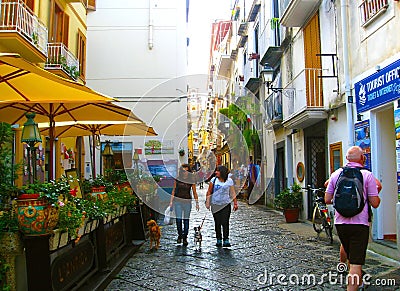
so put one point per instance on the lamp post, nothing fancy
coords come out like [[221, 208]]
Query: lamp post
[[136, 160], [31, 136], [108, 156]]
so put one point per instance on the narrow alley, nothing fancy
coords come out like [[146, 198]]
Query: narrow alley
[[266, 254]]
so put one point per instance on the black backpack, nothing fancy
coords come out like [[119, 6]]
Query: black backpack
[[348, 197]]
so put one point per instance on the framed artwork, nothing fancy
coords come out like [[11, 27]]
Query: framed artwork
[[335, 153], [74, 182]]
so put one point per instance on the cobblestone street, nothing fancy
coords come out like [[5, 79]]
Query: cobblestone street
[[263, 248]]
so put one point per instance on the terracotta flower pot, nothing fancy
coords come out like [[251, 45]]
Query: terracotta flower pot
[[291, 215], [35, 216]]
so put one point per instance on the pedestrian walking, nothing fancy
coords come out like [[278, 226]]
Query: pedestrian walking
[[181, 201], [220, 194], [252, 176], [353, 230]]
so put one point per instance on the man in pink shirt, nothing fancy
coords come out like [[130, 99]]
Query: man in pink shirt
[[353, 231]]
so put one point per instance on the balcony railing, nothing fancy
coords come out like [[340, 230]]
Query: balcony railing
[[303, 92], [60, 58], [371, 8], [273, 107], [17, 17]]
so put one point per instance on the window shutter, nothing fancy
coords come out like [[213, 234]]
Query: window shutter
[[65, 29]]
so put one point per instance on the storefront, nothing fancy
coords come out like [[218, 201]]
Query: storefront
[[378, 115]]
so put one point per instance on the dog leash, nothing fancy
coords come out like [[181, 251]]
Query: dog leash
[[201, 226]]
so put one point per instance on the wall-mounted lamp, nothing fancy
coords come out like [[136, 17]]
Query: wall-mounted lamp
[[227, 124], [108, 155], [267, 75], [359, 117], [135, 159], [31, 136]]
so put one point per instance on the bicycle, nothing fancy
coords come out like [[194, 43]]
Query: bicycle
[[321, 219]]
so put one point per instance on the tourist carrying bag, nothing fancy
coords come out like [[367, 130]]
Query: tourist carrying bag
[[348, 197]]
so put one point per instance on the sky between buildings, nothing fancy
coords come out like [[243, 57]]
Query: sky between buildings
[[202, 13]]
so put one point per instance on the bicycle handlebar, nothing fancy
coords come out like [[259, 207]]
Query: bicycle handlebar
[[313, 189]]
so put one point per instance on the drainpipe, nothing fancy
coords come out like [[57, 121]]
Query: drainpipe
[[349, 106], [151, 27]]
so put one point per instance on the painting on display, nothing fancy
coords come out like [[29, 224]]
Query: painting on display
[[363, 140], [156, 147]]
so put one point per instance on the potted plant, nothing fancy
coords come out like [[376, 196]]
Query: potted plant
[[100, 184], [38, 206], [181, 152], [118, 178], [290, 200]]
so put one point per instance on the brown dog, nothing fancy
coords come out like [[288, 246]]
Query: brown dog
[[154, 233]]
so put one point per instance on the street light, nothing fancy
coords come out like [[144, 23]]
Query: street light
[[267, 74], [108, 155], [31, 136]]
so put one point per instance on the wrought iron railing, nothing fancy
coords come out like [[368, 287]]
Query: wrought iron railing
[[273, 107], [304, 91], [17, 17], [59, 57]]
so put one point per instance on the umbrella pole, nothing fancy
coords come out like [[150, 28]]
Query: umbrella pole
[[94, 155], [51, 146]]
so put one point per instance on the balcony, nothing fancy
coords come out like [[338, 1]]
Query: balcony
[[297, 12], [303, 100], [273, 109], [271, 42], [22, 32], [225, 65], [61, 61], [370, 9]]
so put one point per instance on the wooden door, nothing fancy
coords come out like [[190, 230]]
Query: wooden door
[[312, 47]]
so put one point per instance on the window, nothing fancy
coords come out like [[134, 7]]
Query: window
[[91, 4], [59, 25], [82, 54], [369, 9], [335, 153]]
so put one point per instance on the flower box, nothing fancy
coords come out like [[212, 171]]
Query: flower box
[[35, 216], [58, 240]]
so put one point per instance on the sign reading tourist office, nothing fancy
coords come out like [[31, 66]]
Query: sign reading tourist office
[[380, 88]]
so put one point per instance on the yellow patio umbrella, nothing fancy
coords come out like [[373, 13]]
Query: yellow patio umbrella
[[22, 81], [25, 87], [97, 128]]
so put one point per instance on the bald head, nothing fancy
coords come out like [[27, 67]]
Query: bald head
[[355, 154]]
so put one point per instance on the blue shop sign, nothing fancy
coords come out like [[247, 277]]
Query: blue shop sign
[[379, 88]]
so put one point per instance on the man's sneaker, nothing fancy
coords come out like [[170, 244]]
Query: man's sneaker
[[185, 242], [226, 243], [179, 240], [219, 243]]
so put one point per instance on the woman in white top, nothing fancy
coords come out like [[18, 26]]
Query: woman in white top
[[220, 194]]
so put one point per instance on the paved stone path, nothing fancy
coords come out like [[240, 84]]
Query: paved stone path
[[263, 248]]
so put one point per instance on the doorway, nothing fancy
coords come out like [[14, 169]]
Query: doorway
[[316, 159], [384, 168]]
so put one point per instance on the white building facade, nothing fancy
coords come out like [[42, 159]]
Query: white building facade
[[137, 52]]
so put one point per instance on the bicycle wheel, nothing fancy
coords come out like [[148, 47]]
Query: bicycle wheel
[[317, 220]]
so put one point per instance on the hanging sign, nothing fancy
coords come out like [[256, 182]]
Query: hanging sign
[[379, 88]]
